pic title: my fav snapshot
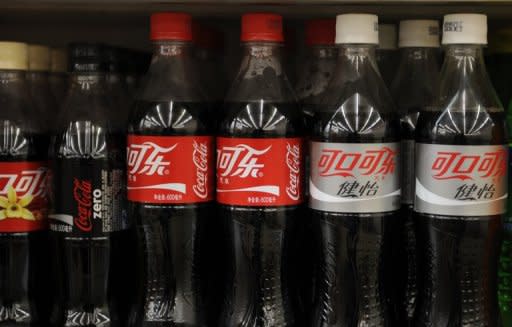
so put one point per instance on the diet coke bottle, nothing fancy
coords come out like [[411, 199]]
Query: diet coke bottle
[[259, 181], [461, 185], [23, 196], [90, 242], [170, 181], [354, 184]]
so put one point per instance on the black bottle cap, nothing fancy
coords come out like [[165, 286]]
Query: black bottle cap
[[87, 58]]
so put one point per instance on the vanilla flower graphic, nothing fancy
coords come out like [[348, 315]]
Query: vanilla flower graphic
[[12, 207]]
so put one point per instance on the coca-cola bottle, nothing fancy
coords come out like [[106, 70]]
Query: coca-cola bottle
[[39, 84], [387, 52], [59, 78], [170, 182], [461, 185], [354, 184], [259, 181], [419, 46], [23, 196], [90, 242]]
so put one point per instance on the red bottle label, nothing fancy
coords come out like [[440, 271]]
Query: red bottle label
[[170, 169], [260, 172], [23, 196]]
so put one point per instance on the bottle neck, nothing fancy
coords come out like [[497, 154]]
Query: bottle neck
[[464, 69], [323, 51], [260, 55], [87, 81], [12, 76], [171, 74], [417, 54], [37, 76], [358, 57], [469, 57]]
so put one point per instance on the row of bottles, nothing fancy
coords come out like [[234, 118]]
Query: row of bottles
[[400, 223]]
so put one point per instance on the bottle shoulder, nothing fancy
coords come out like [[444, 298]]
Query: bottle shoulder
[[171, 118], [462, 126], [356, 119], [262, 119]]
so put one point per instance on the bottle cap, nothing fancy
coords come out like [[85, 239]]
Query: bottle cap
[[420, 33], [59, 60], [13, 56], [262, 27], [357, 29], [465, 29], [387, 36], [86, 58], [320, 31], [38, 58], [171, 26]]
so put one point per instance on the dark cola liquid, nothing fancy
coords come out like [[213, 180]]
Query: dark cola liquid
[[261, 243], [23, 256], [406, 285], [355, 250], [177, 257], [90, 271], [458, 255]]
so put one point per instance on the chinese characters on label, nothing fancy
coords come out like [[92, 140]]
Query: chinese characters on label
[[350, 177], [259, 172], [461, 180], [170, 169]]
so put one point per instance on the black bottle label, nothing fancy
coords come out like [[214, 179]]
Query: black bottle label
[[89, 198]]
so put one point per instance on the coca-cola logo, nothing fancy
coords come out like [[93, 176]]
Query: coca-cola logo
[[378, 162], [293, 161], [240, 161], [148, 159], [32, 182], [200, 158], [82, 193], [458, 165]]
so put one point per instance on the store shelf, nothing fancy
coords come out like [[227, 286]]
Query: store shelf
[[125, 22]]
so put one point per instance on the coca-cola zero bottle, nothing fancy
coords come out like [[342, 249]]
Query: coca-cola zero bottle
[[90, 241]]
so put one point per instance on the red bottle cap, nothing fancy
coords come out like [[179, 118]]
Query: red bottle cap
[[171, 26], [320, 32], [262, 27]]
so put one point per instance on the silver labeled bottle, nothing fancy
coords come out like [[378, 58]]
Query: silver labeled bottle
[[354, 184], [461, 185]]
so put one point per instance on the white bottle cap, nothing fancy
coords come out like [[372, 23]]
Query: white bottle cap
[[387, 36], [13, 56], [419, 33], [465, 29], [38, 58], [357, 29], [59, 60]]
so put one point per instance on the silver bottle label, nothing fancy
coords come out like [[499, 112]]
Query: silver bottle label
[[407, 173], [354, 177], [461, 180]]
